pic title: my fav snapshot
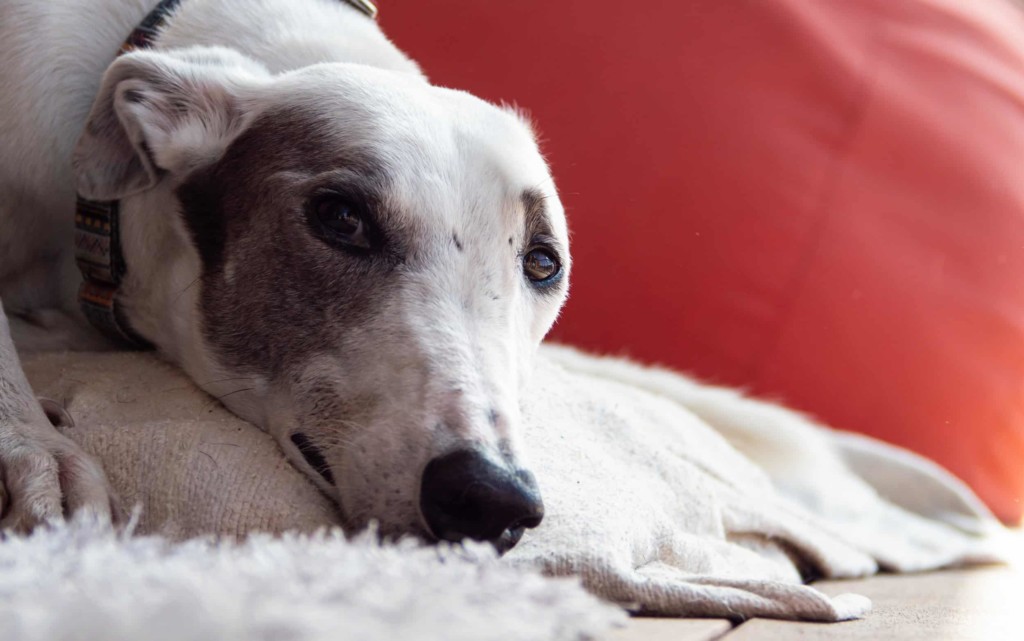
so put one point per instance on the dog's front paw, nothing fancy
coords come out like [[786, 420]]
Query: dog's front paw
[[45, 477]]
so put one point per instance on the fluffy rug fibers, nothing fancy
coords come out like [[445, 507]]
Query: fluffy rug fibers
[[102, 585]]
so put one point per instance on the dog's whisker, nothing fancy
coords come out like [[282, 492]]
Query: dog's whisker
[[217, 399], [348, 425], [225, 380], [187, 287], [201, 383], [237, 391], [337, 439]]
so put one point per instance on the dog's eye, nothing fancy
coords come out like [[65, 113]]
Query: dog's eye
[[540, 265], [342, 220]]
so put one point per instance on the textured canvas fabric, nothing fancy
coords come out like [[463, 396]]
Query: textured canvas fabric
[[723, 509]]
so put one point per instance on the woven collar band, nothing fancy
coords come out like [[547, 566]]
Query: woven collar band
[[97, 242]]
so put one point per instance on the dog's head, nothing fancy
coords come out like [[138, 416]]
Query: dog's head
[[359, 262]]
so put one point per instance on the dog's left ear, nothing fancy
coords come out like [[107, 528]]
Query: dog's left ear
[[162, 113]]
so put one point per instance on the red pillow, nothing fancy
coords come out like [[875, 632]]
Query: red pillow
[[820, 201]]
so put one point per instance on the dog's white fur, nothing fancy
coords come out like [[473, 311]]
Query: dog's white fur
[[433, 365]]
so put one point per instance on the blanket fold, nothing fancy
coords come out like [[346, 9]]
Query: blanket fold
[[664, 496]]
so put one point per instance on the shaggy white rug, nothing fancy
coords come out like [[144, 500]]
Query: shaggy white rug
[[84, 583]]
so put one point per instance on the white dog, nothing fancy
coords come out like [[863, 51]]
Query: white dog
[[360, 263], [351, 258]]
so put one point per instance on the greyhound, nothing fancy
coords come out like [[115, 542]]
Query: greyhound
[[274, 197]]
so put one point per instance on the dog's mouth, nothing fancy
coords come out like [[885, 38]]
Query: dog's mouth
[[504, 542], [313, 456], [508, 539]]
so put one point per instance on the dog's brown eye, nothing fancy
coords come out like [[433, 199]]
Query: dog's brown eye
[[540, 265], [343, 221]]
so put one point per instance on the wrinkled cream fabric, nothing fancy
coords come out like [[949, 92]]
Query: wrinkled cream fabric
[[664, 496]]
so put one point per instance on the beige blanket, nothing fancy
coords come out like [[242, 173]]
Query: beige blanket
[[652, 506]]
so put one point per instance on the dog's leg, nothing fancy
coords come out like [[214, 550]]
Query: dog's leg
[[43, 475]]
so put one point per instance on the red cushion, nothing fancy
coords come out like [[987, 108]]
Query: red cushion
[[820, 201]]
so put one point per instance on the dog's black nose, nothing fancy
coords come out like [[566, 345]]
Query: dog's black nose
[[465, 495]]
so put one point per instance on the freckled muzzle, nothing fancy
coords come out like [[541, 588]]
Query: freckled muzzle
[[466, 495]]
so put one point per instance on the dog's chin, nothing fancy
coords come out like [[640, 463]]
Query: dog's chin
[[417, 530], [388, 530], [386, 525], [508, 540]]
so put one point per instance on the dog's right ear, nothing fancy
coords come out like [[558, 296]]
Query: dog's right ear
[[162, 113]]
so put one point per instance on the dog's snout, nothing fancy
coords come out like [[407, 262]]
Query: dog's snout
[[466, 495]]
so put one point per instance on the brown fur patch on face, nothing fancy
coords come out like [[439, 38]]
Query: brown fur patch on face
[[272, 293]]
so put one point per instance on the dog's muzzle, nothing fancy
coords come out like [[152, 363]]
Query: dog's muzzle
[[464, 495]]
